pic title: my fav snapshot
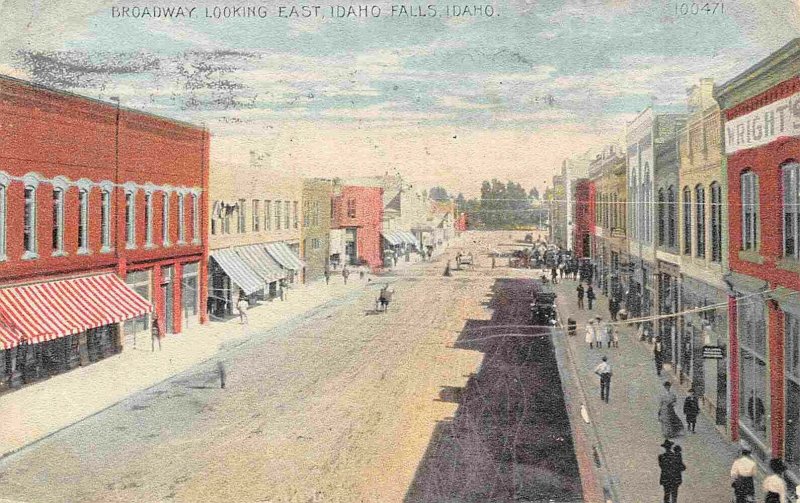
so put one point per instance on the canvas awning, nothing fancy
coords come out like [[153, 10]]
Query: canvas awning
[[392, 237], [46, 311], [261, 263], [409, 238], [239, 272], [284, 255]]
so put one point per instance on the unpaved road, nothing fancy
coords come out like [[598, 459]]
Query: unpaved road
[[345, 405]]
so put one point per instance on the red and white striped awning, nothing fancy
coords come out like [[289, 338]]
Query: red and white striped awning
[[47, 311]]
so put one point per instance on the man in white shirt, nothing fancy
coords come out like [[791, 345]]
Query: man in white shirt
[[242, 306], [742, 473], [604, 371]]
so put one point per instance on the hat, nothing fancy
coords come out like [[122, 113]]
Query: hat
[[667, 384], [744, 447], [777, 466], [691, 390], [667, 444]]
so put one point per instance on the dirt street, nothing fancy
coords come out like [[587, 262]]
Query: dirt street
[[428, 402]]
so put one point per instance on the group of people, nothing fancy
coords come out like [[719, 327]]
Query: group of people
[[743, 472], [599, 333], [588, 293]]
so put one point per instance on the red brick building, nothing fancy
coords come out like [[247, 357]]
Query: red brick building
[[359, 211], [761, 108], [74, 173], [583, 226]]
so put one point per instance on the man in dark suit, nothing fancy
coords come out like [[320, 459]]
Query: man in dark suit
[[671, 465]]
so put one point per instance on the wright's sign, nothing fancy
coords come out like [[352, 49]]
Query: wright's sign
[[781, 118]]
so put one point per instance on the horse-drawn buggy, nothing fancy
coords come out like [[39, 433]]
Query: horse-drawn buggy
[[384, 298], [543, 309], [465, 260]]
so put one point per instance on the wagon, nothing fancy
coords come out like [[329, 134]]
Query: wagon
[[543, 309]]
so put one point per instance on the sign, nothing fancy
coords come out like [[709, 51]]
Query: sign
[[781, 118], [713, 352]]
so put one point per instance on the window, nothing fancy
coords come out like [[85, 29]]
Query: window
[[749, 182], [351, 208], [716, 222], [3, 189], [83, 221], [241, 217], [632, 210], [315, 213], [267, 215], [181, 218], [130, 219], [306, 213], [256, 220], [58, 221], [791, 201], [148, 219], [29, 229], [190, 292], [647, 209], [315, 243], [165, 220], [792, 366], [753, 413], [597, 209], [278, 219], [672, 229], [662, 218], [286, 206], [195, 219], [700, 223], [139, 281], [295, 205], [687, 221], [105, 218]]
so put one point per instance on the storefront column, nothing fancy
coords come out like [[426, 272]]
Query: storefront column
[[776, 377], [733, 369], [177, 298]]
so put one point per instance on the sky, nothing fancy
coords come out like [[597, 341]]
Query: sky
[[443, 100]]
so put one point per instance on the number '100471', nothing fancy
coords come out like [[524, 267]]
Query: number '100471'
[[694, 8]]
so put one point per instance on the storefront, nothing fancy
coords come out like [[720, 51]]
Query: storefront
[[137, 330], [229, 277], [287, 258]]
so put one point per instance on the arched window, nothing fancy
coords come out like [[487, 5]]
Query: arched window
[[29, 223], [662, 218], [148, 218], [633, 214], [165, 220], [672, 210], [791, 202], [647, 203], [58, 220], [181, 218], [130, 219], [105, 218], [700, 222], [687, 221], [750, 230], [83, 221], [716, 222]]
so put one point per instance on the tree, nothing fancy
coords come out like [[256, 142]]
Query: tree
[[439, 194], [534, 194]]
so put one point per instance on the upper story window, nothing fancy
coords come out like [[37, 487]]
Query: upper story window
[[3, 201], [105, 218], [662, 218], [716, 222], [351, 208], [632, 209], [687, 221], [267, 215], [700, 222], [181, 218], [306, 213], [672, 219], [58, 221], [286, 214], [295, 216], [791, 207], [195, 218], [315, 213], [83, 221], [750, 209], [29, 223], [130, 219], [148, 219], [241, 217], [278, 218], [165, 218], [256, 220]]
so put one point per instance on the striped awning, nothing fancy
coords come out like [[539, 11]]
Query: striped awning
[[239, 272], [46, 311], [409, 238], [259, 261], [281, 252], [392, 237]]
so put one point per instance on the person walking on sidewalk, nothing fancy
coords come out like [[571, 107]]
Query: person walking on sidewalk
[[671, 424], [613, 336], [613, 308], [742, 473], [222, 373], [554, 275], [284, 288], [603, 369], [580, 295], [345, 274], [658, 355], [774, 486], [590, 295], [691, 409], [671, 464], [602, 333], [327, 276], [242, 306], [155, 333], [590, 334]]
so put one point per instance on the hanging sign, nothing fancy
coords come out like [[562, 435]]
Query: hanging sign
[[713, 352]]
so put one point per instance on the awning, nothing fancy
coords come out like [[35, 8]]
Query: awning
[[257, 258], [47, 311], [239, 272], [409, 238], [392, 238], [285, 256]]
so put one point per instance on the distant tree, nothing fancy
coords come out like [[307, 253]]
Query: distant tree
[[439, 194], [534, 194]]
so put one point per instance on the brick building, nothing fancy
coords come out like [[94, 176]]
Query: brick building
[[583, 224], [358, 211], [92, 196]]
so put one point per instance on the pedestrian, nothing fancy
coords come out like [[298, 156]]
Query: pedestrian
[[590, 296], [242, 305], [613, 335], [613, 308], [742, 472], [672, 467], [602, 333], [284, 288], [327, 276], [345, 274], [691, 409], [671, 424], [361, 272], [155, 333], [493, 261], [590, 335], [580, 295], [553, 275], [561, 268], [222, 373], [774, 486], [658, 353], [572, 326], [447, 269], [603, 369]]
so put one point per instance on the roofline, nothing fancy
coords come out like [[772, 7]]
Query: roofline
[[787, 51], [112, 104]]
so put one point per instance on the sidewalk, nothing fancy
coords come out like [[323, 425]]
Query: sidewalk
[[38, 410], [626, 431]]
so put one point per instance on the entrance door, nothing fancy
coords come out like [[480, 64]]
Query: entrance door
[[167, 295], [350, 248]]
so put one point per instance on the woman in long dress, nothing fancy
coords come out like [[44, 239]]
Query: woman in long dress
[[671, 424]]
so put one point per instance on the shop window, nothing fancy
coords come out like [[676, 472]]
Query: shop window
[[687, 221], [165, 220], [753, 398], [58, 221], [83, 221], [190, 293], [105, 219], [148, 219], [716, 222], [791, 205], [139, 281], [130, 219], [700, 223], [29, 223], [750, 230], [792, 375]]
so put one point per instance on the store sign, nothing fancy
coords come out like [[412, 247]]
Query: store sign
[[713, 352], [781, 118]]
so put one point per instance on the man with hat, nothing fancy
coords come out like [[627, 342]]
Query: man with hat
[[671, 466], [691, 409], [774, 486], [603, 369], [742, 473]]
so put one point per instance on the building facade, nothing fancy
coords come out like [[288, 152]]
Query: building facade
[[762, 146], [358, 214], [316, 226], [93, 196], [583, 224]]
